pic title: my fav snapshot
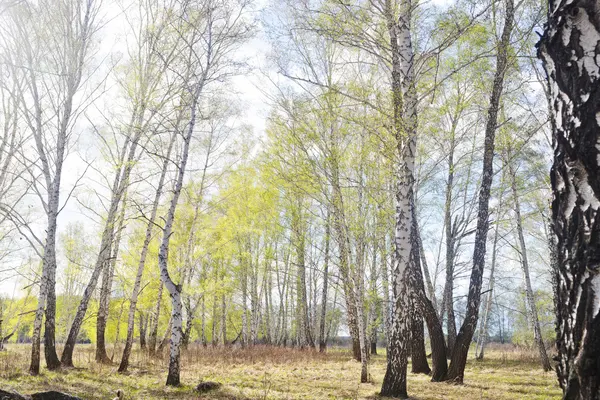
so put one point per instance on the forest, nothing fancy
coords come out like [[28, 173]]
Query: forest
[[299, 199]]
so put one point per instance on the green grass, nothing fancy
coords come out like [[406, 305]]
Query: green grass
[[275, 373]]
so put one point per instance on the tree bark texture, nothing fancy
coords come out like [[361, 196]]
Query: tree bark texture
[[570, 50]]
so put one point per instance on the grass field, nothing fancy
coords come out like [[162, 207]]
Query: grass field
[[275, 373]]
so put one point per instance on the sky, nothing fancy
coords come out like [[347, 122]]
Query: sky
[[249, 92]]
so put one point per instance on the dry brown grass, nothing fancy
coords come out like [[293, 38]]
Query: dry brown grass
[[276, 373]]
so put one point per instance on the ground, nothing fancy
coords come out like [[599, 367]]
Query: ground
[[275, 373]]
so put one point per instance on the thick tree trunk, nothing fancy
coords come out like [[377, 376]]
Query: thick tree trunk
[[52, 361], [427, 310], [405, 131], [465, 336], [570, 50], [417, 344]]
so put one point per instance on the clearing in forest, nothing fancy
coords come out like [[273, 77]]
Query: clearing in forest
[[275, 373]]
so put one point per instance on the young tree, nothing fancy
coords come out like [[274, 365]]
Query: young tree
[[530, 295], [569, 48]]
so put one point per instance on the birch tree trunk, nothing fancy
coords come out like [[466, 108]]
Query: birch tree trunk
[[63, 56], [143, 328], [344, 254], [570, 50], [405, 130], [483, 326], [142, 262], [439, 360], [301, 300], [532, 309], [105, 292], [426, 274], [154, 328], [465, 335], [163, 252], [119, 187], [450, 247]]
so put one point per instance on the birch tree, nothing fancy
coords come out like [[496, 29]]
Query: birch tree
[[49, 55], [465, 335], [404, 103], [216, 30], [568, 49]]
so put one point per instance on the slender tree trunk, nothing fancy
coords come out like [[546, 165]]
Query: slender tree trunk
[[268, 303], [374, 306], [244, 279], [154, 328], [465, 336], [224, 319], [203, 326], [426, 274], [254, 312], [141, 264], [450, 246], [143, 328], [105, 291], [163, 252], [301, 300], [532, 311], [102, 316], [165, 338], [483, 328], [120, 185], [358, 283], [387, 304], [214, 321]]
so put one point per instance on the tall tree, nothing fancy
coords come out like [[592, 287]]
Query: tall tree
[[569, 49], [529, 294], [49, 55], [467, 329], [404, 104]]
